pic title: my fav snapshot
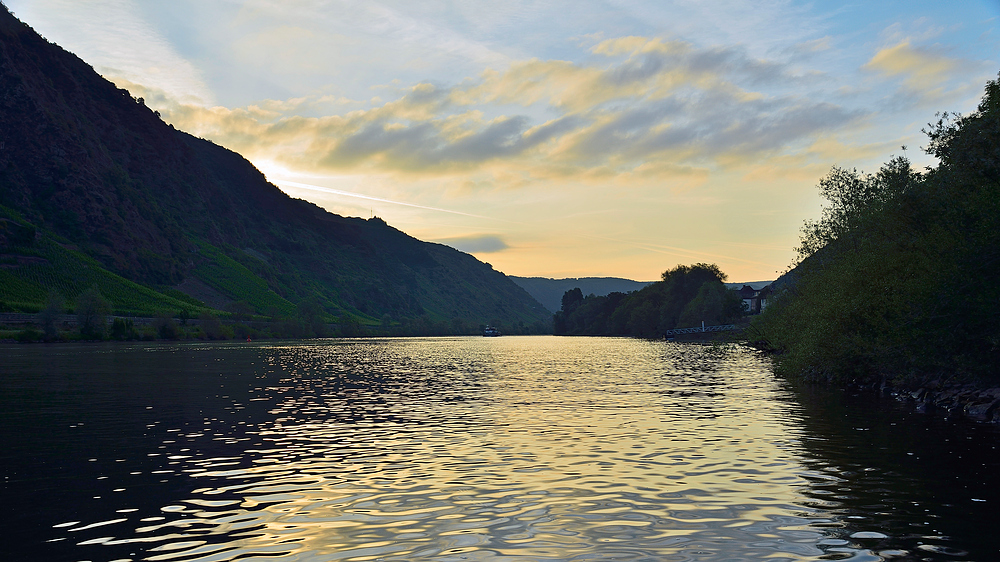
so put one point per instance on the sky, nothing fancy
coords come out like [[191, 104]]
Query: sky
[[556, 139]]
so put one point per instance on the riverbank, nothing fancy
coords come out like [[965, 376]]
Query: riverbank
[[944, 397], [968, 401]]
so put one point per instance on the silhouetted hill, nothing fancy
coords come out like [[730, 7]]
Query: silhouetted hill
[[106, 185], [549, 292]]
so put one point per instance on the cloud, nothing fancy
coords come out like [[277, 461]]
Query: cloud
[[643, 100], [812, 46], [921, 67], [476, 244], [113, 36], [930, 77]]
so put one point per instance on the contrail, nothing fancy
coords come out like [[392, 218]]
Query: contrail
[[370, 198]]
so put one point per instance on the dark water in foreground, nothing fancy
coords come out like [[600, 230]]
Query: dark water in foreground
[[532, 448]]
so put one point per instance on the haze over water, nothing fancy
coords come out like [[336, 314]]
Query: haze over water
[[514, 448]]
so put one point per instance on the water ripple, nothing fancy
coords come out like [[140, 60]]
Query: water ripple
[[479, 449]]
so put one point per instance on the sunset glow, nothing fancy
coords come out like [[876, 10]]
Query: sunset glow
[[556, 139]]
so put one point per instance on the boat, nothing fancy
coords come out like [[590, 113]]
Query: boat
[[491, 332]]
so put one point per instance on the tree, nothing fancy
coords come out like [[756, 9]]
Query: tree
[[684, 294], [123, 329], [896, 280], [92, 311], [856, 201], [310, 313], [714, 304], [49, 315], [571, 299], [680, 286], [165, 326], [210, 325], [561, 321]]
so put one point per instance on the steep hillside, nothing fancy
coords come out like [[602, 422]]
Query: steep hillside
[[97, 175]]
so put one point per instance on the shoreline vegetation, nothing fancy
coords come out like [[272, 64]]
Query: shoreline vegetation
[[61, 327], [894, 285], [685, 297]]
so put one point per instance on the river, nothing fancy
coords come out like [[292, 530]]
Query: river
[[472, 449]]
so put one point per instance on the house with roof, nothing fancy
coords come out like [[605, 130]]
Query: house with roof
[[754, 300]]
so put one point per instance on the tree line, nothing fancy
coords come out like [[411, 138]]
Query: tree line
[[684, 297], [896, 281], [91, 312]]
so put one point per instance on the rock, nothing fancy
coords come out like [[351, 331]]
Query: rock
[[982, 410]]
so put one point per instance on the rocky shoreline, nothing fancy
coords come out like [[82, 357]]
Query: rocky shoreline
[[967, 401]]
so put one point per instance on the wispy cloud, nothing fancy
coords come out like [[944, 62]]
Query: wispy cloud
[[927, 73], [651, 99], [477, 243], [113, 36], [921, 67]]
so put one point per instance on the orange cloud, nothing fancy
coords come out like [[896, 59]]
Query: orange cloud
[[922, 69]]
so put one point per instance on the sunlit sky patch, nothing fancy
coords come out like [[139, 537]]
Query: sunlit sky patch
[[558, 139]]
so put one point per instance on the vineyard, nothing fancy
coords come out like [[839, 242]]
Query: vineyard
[[31, 274], [233, 279]]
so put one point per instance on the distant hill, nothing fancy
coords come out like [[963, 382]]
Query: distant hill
[[97, 191], [755, 284], [549, 292]]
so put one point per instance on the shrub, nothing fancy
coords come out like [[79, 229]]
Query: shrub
[[166, 327], [92, 311]]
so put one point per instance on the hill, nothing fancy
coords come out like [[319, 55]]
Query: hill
[[549, 292], [96, 190]]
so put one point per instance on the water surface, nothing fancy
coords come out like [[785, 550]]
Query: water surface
[[514, 448]]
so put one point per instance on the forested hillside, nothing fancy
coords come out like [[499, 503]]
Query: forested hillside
[[97, 191], [897, 280]]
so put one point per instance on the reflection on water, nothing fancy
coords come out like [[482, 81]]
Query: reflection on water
[[928, 484], [459, 449]]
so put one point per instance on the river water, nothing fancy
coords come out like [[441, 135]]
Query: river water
[[481, 449]]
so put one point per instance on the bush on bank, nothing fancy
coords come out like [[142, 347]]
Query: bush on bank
[[896, 281]]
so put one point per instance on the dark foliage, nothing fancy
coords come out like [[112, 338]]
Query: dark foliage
[[685, 297], [92, 311], [896, 281]]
